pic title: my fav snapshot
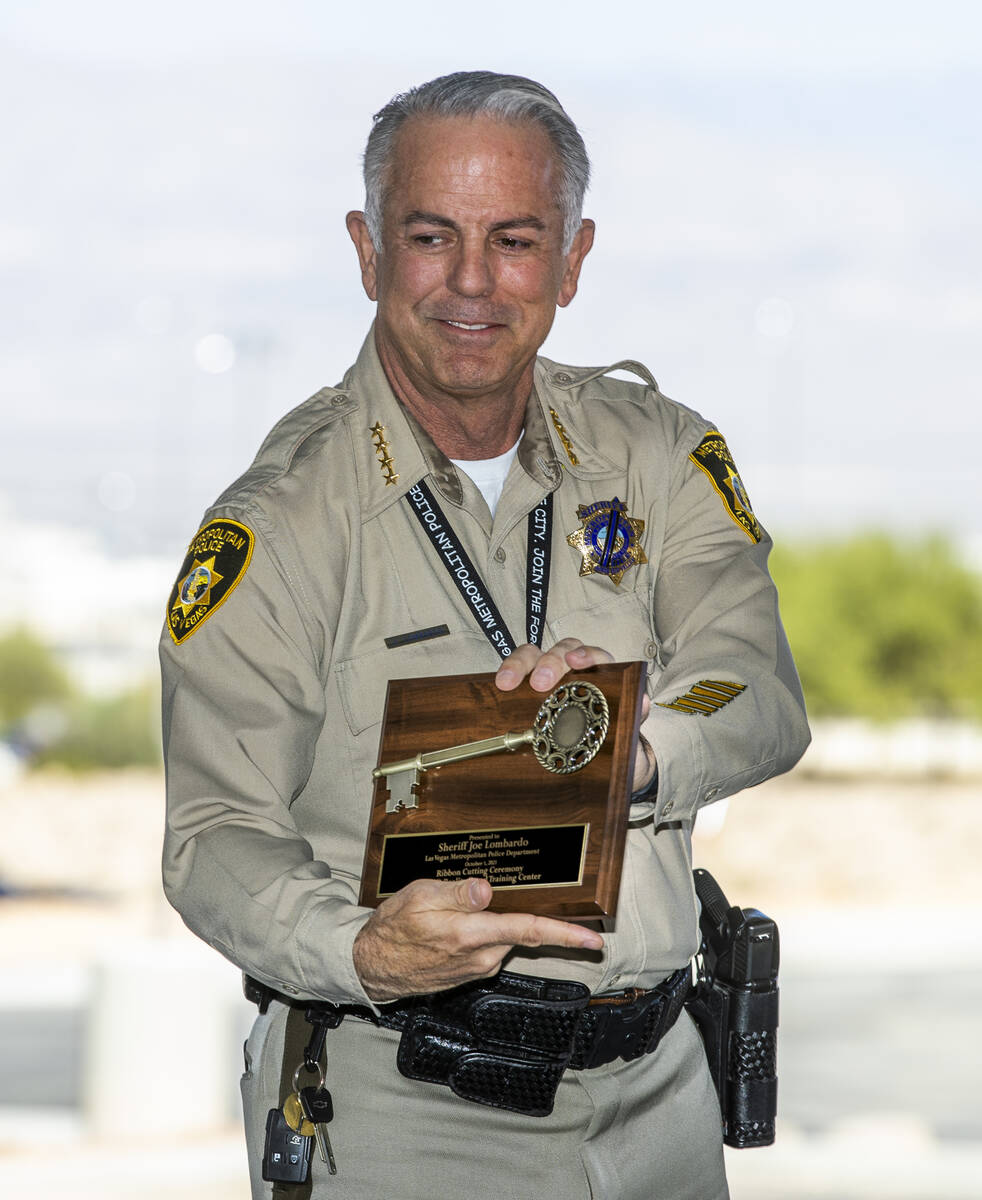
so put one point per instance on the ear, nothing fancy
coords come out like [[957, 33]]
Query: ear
[[358, 229], [574, 261]]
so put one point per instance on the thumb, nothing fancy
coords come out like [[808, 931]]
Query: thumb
[[473, 894]]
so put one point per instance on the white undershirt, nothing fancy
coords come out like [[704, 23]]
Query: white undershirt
[[488, 474]]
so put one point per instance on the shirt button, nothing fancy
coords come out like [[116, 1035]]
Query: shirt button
[[291, 989], [667, 807], [499, 555], [615, 979], [563, 377], [651, 650], [711, 793]]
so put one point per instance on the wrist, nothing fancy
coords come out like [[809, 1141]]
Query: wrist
[[647, 790]]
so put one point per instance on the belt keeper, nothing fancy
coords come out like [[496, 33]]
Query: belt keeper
[[545, 1027], [608, 1032]]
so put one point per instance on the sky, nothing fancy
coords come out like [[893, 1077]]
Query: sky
[[787, 201], [761, 34]]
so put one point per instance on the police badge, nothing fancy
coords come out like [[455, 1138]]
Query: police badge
[[215, 562], [713, 456], [609, 540]]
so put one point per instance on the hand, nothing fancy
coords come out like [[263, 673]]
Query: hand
[[545, 668], [433, 935]]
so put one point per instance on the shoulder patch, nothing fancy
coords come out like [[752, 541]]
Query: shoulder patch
[[713, 456], [215, 562]]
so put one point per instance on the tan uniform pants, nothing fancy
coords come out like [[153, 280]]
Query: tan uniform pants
[[646, 1130]]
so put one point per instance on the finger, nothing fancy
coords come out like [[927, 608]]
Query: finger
[[464, 895], [517, 666], [582, 656], [543, 668], [568, 655], [558, 660], [477, 894], [523, 929], [552, 666]]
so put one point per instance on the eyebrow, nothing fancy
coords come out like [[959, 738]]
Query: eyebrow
[[417, 217]]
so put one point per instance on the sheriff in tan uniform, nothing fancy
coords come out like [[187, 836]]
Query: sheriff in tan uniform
[[313, 582]]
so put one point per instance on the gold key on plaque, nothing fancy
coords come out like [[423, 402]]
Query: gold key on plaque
[[568, 730]]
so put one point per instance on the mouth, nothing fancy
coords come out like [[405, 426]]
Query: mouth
[[461, 333]]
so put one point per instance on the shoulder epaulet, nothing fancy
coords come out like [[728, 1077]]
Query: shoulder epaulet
[[293, 429], [286, 440], [569, 377]]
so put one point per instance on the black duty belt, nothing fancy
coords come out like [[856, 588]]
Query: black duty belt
[[506, 1042]]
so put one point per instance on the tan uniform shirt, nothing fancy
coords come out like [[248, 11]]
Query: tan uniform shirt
[[272, 706]]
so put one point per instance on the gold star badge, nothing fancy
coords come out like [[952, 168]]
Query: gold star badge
[[609, 540]]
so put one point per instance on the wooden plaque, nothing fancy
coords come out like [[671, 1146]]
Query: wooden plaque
[[548, 843]]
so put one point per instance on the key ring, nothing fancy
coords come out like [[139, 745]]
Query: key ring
[[321, 1077]]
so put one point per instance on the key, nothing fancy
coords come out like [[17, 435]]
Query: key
[[286, 1153], [318, 1108], [294, 1117], [402, 787], [569, 729]]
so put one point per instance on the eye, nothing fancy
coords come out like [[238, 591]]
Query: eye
[[510, 242], [428, 240]]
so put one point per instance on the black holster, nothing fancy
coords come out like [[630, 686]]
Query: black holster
[[735, 1005]]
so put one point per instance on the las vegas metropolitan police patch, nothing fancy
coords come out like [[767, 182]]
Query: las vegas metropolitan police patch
[[713, 456], [215, 562]]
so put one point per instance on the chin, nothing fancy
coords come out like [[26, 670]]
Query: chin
[[468, 378], [469, 388]]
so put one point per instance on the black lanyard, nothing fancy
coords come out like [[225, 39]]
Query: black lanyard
[[469, 582]]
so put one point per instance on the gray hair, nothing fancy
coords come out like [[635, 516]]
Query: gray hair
[[472, 94]]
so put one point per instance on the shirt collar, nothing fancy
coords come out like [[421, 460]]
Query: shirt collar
[[393, 451]]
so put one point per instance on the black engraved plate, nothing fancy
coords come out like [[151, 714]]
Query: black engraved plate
[[534, 856]]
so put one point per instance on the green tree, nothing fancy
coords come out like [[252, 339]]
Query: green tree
[[30, 676], [882, 628], [118, 731]]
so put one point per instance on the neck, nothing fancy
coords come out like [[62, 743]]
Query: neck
[[464, 427], [468, 433]]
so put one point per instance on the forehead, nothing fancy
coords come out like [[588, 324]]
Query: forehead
[[474, 163]]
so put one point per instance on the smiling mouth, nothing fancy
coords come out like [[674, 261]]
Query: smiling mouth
[[463, 325]]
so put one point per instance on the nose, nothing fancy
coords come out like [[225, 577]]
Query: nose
[[471, 273]]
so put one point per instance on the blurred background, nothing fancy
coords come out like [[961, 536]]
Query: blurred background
[[787, 202]]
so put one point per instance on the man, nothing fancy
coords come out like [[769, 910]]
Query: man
[[323, 585]]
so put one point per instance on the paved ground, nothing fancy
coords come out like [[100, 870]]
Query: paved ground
[[875, 887], [848, 1048]]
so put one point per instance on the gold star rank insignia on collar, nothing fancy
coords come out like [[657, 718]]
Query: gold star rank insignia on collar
[[609, 540], [386, 461]]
